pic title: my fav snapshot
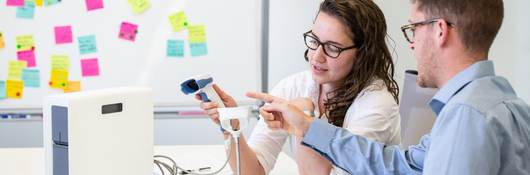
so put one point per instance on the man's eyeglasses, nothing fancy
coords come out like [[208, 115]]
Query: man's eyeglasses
[[330, 49], [408, 30]]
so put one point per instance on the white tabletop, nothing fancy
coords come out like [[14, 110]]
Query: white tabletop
[[30, 161]]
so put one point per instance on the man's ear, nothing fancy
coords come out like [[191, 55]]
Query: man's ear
[[442, 32]]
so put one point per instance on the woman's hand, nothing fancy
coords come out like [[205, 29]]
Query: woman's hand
[[211, 107]]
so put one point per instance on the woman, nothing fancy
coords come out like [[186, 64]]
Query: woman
[[350, 82]]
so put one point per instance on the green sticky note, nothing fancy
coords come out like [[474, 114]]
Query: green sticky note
[[197, 34], [139, 6], [198, 49], [51, 2], [60, 62], [31, 77], [175, 48], [87, 44], [2, 89], [27, 11], [15, 69], [25, 42], [178, 21]]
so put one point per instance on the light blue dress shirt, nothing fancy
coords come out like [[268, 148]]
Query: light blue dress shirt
[[481, 127]]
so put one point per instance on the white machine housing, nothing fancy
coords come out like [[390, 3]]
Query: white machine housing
[[107, 132]]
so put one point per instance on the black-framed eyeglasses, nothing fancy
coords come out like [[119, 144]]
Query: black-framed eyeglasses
[[408, 30], [330, 48]]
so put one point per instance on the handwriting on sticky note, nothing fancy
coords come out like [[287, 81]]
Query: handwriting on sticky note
[[28, 56], [15, 69], [73, 86], [14, 89], [31, 77], [58, 79], [128, 31], [63, 34], [93, 4], [89, 67], [87, 44], [25, 42], [178, 21], [196, 33], [17, 3], [27, 11], [2, 89], [60, 62], [175, 48], [2, 42], [139, 6], [198, 49]]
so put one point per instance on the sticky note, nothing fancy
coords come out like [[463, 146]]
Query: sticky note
[[58, 79], [60, 62], [25, 42], [73, 86], [2, 89], [39, 3], [89, 67], [31, 77], [178, 21], [128, 31], [18, 3], [175, 48], [28, 56], [196, 33], [51, 2], [27, 11], [87, 44], [15, 70], [2, 42], [139, 6], [198, 49], [14, 89], [93, 4], [63, 34]]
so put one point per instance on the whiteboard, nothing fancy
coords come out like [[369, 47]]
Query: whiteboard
[[233, 31]]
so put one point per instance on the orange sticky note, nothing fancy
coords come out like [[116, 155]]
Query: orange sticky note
[[2, 43], [59, 79], [15, 69], [14, 89], [73, 86]]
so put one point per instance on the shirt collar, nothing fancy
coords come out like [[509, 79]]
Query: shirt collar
[[475, 71]]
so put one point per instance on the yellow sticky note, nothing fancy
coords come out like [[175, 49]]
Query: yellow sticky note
[[59, 79], [139, 6], [178, 21], [14, 89], [2, 43], [15, 69], [60, 62], [39, 2], [73, 86], [197, 33], [25, 42]]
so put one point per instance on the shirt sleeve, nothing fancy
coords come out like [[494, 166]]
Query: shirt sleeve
[[462, 143], [355, 154]]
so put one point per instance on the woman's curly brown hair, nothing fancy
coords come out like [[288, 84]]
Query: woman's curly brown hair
[[373, 61]]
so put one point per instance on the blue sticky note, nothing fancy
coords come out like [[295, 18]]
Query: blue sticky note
[[27, 11], [87, 44], [175, 48], [31, 78], [198, 49], [2, 89]]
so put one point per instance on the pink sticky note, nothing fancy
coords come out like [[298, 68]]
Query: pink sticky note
[[18, 3], [128, 31], [63, 34], [93, 4], [90, 67], [28, 56]]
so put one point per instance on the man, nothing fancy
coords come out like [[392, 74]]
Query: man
[[482, 127]]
